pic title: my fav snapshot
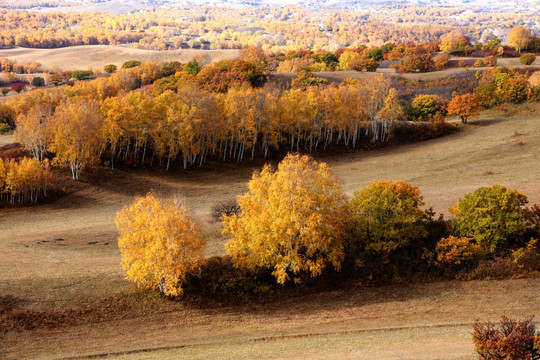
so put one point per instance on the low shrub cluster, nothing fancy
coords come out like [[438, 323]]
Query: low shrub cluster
[[510, 339]]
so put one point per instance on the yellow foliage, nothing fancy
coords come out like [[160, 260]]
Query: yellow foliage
[[290, 220], [159, 243], [456, 251], [23, 181], [77, 137]]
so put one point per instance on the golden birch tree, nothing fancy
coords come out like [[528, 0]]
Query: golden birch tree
[[77, 139], [289, 220], [160, 244]]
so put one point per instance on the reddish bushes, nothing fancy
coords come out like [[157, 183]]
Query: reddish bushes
[[511, 339]]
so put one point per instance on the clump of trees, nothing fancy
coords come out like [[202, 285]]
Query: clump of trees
[[500, 85], [295, 224], [107, 119], [509, 339], [23, 181]]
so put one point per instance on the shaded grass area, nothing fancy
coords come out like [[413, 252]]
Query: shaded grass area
[[145, 322]]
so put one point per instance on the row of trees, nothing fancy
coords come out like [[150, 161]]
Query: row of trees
[[87, 121], [23, 181], [295, 222]]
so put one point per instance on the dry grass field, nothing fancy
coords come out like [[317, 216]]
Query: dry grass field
[[97, 56], [64, 254]]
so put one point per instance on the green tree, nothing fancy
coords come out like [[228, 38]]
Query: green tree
[[109, 69], [38, 81], [131, 64], [81, 74], [387, 217], [492, 216], [289, 220], [527, 58], [193, 67]]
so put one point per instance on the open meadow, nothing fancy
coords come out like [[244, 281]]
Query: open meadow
[[64, 254], [97, 56]]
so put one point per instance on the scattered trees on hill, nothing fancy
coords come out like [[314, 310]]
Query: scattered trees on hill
[[290, 220], [159, 243]]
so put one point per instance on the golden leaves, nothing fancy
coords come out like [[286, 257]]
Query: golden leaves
[[289, 220], [160, 244]]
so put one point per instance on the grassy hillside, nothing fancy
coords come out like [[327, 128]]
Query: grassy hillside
[[80, 57], [64, 254]]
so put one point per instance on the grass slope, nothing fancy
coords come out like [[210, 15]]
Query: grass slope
[[63, 254], [80, 57]]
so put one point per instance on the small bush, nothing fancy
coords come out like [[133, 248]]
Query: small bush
[[5, 128], [490, 60], [528, 257], [219, 278], [453, 251], [38, 81], [527, 58], [81, 74], [511, 339], [228, 208], [18, 86], [130, 64], [109, 69], [479, 63]]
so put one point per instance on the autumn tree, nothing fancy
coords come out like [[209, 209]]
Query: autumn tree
[[77, 140], [18, 86], [456, 251], [349, 58], [110, 68], [420, 62], [519, 37], [160, 244], [510, 339], [493, 216], [387, 217], [441, 61], [465, 106], [289, 220], [34, 129], [527, 58]]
